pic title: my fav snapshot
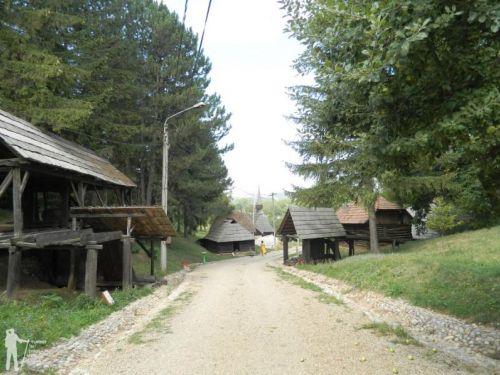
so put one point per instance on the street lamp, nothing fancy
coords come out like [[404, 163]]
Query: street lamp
[[164, 181]]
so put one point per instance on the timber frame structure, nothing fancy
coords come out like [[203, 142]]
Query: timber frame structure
[[45, 176], [318, 228]]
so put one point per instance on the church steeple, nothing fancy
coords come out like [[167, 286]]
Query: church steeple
[[258, 202]]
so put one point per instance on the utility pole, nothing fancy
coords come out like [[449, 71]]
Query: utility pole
[[274, 223], [164, 181]]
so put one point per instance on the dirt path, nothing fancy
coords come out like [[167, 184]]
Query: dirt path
[[240, 317]]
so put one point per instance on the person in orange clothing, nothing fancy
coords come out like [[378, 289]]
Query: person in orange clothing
[[263, 249]]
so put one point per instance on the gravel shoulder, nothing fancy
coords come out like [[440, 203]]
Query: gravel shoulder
[[240, 317]]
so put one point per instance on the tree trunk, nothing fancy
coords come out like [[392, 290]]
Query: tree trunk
[[186, 222], [372, 222]]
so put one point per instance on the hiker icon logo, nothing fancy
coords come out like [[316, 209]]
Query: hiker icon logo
[[11, 341]]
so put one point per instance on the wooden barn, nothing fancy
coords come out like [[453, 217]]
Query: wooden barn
[[229, 233], [393, 221], [50, 225], [318, 228]]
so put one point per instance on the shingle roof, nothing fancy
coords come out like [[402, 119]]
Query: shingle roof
[[232, 228], [309, 223], [262, 225], [29, 142], [355, 214]]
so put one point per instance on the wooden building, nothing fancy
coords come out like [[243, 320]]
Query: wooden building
[[261, 221], [47, 183], [229, 233], [393, 221], [318, 228]]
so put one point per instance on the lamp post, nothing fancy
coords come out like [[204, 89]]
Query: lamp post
[[164, 181]]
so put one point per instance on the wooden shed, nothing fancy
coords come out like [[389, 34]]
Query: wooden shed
[[41, 177], [229, 233], [318, 228], [393, 221]]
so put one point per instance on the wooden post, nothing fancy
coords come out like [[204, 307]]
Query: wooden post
[[306, 250], [351, 247], [17, 202], [336, 250], [14, 272], [285, 249], [72, 269], [127, 263], [91, 272], [152, 252]]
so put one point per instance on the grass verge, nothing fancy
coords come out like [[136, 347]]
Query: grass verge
[[295, 280], [160, 322], [51, 316], [180, 250], [458, 274], [400, 336]]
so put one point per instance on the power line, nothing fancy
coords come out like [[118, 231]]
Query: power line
[[202, 37]]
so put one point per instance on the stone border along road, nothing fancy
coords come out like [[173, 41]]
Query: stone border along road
[[468, 343], [63, 355]]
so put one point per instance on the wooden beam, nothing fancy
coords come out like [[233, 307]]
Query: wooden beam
[[98, 195], [143, 247], [5, 183], [75, 192], [101, 216], [351, 247], [127, 263], [17, 202], [25, 181], [14, 271], [13, 162], [91, 272]]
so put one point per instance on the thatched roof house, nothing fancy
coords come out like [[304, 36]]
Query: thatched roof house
[[318, 228], [232, 232]]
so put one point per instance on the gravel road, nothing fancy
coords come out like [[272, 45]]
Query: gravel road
[[240, 317]]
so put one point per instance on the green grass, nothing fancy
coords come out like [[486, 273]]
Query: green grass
[[50, 316], [180, 249], [295, 280], [400, 336], [457, 274], [160, 322]]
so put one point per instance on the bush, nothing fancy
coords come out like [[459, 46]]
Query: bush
[[444, 218]]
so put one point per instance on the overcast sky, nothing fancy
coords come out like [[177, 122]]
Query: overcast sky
[[251, 69]]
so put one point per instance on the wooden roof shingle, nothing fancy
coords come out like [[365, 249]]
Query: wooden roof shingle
[[310, 223], [233, 227], [28, 142], [352, 213]]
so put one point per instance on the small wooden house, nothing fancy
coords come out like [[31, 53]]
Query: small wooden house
[[318, 228], [46, 183], [229, 233], [393, 221]]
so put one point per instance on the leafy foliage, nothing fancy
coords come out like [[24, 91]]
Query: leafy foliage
[[405, 97], [106, 74]]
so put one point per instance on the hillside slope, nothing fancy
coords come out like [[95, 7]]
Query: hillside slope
[[457, 274]]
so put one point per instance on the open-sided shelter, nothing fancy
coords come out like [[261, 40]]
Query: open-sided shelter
[[41, 176], [232, 232], [393, 221], [318, 228]]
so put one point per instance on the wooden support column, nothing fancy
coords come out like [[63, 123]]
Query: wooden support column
[[306, 250], [152, 252], [127, 263], [351, 247], [72, 269], [285, 249], [14, 271], [17, 202], [91, 270], [336, 250]]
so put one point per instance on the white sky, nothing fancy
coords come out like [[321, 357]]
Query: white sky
[[251, 69]]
